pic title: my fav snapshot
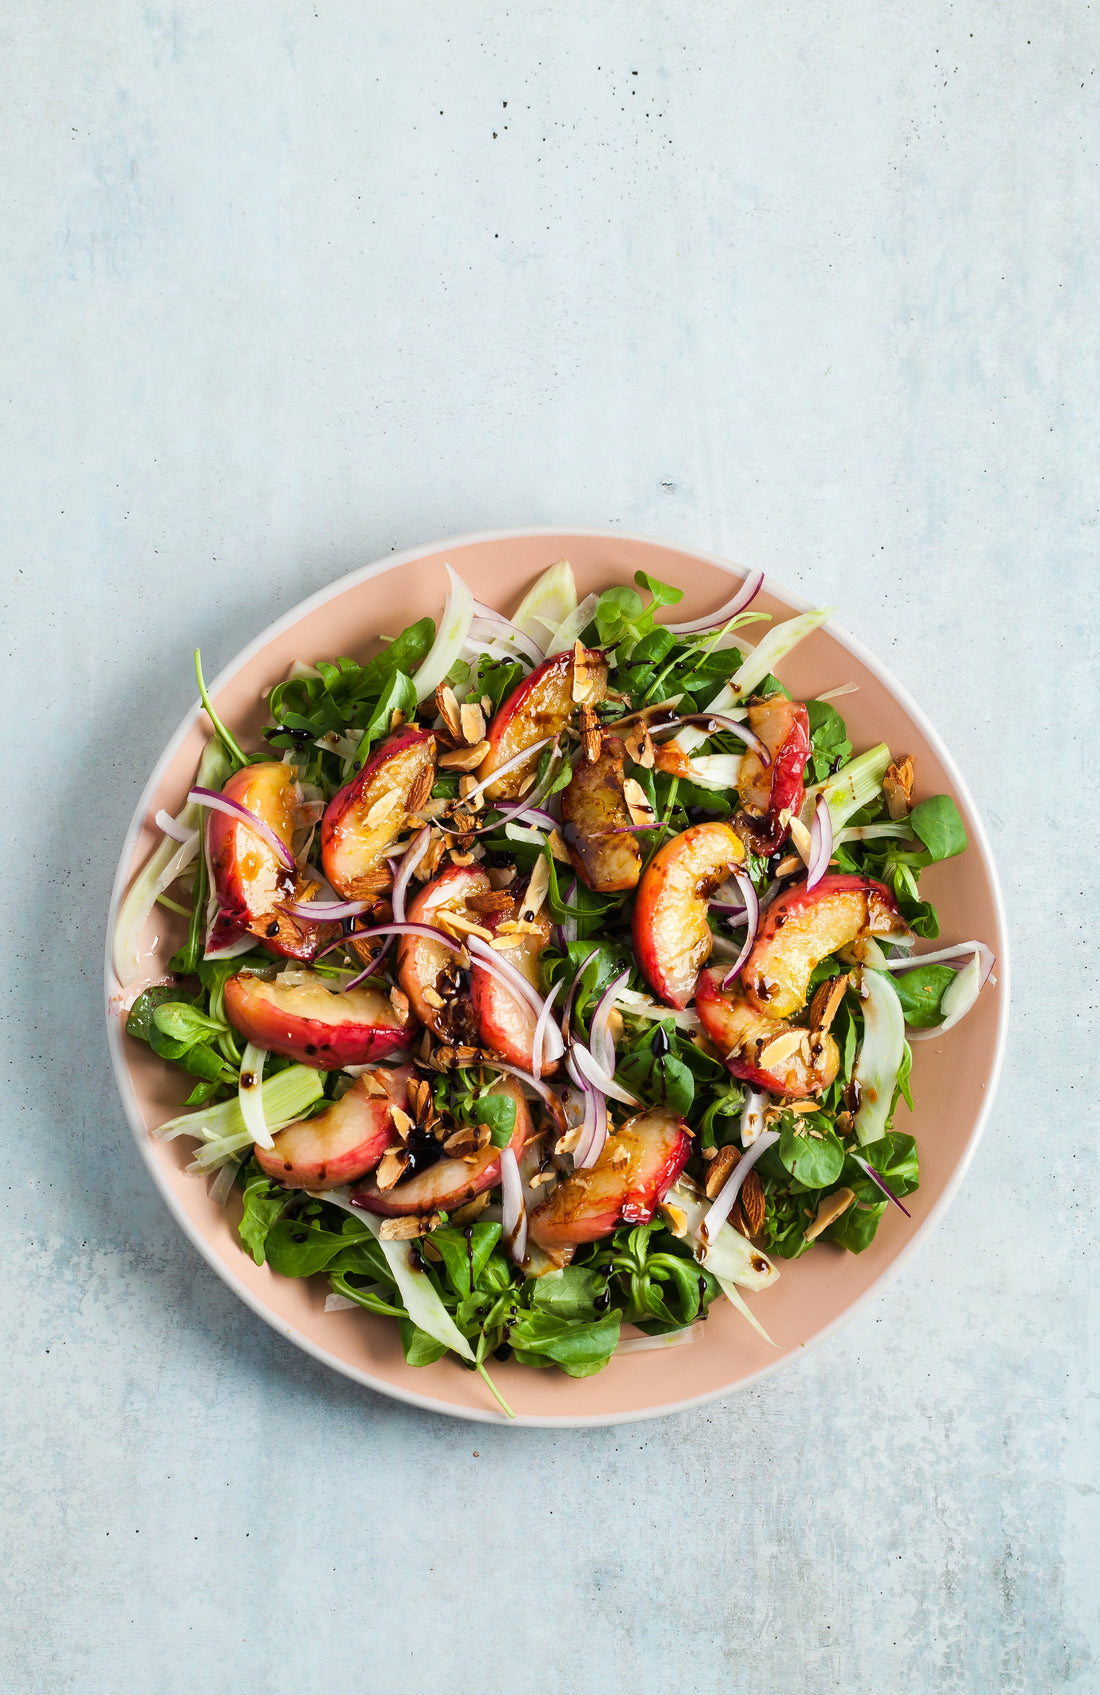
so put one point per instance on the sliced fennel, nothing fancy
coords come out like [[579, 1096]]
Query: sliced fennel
[[957, 1000], [454, 627], [715, 770], [728, 1254], [732, 1293], [547, 604], [570, 628], [250, 1095], [880, 1055], [284, 1097], [854, 786], [415, 1287], [161, 869], [756, 665]]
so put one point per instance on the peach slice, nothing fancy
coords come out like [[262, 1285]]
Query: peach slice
[[448, 1183], [306, 1022], [427, 971], [539, 707], [744, 1035], [341, 1144], [596, 823], [672, 938], [767, 790], [369, 813], [592, 1203], [505, 1022], [249, 882], [803, 926]]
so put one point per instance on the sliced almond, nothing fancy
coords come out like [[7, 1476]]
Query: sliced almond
[[402, 1123], [620, 1154], [472, 720], [458, 923], [843, 1124], [382, 808], [780, 1048], [722, 1163], [787, 866], [399, 1002], [566, 1144], [469, 856], [637, 803], [800, 836], [584, 674], [826, 1002], [535, 893], [829, 1211], [500, 877], [639, 746], [434, 999], [472, 1210], [447, 704], [753, 1205], [674, 1217], [420, 1098], [390, 1167], [467, 785], [468, 1139], [591, 734], [397, 718], [558, 848], [493, 900], [463, 758], [541, 1177], [401, 1229], [421, 789]]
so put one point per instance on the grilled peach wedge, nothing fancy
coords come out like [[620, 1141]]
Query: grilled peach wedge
[[767, 1052], [449, 1182], [672, 939], [305, 1021], [596, 823], [341, 1144], [250, 884], [428, 971], [803, 926], [506, 1023], [767, 790], [592, 1203], [539, 707], [368, 814]]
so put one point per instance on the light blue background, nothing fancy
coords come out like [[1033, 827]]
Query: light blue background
[[288, 285]]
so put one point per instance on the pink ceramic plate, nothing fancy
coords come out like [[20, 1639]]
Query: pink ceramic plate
[[953, 1079]]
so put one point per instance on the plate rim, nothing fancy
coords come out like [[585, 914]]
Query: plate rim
[[412, 1397]]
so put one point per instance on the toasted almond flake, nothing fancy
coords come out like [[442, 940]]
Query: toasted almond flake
[[637, 803], [566, 1144], [826, 1002], [558, 848], [421, 789], [787, 866], [420, 1098], [468, 858], [800, 836], [447, 706], [781, 1047], [620, 1154], [472, 1210], [467, 785], [400, 1229], [399, 1002], [500, 876], [472, 720], [542, 1177], [382, 809], [466, 1056], [463, 758], [468, 1139], [591, 734], [829, 1211], [397, 718], [722, 1163], [434, 999], [493, 900], [390, 1167], [461, 925], [843, 1124], [503, 943], [431, 1252], [373, 1085], [674, 1217], [402, 1123], [801, 1106], [753, 1204]]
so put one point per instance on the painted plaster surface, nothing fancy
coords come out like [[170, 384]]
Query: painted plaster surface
[[288, 285]]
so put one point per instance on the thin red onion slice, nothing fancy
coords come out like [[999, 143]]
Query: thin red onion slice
[[513, 1211], [582, 1060], [594, 1131], [508, 631], [241, 815], [169, 826], [567, 1011], [552, 1100], [541, 1025], [745, 595], [865, 1165], [325, 911], [752, 920], [414, 853], [821, 843], [727, 1194], [491, 960], [599, 1032]]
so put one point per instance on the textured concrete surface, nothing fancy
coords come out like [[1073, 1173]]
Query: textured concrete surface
[[288, 285]]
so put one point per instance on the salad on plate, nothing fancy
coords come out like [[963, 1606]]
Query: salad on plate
[[546, 978]]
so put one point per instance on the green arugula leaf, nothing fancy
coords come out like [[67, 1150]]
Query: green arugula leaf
[[817, 1163], [938, 824], [264, 1203]]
